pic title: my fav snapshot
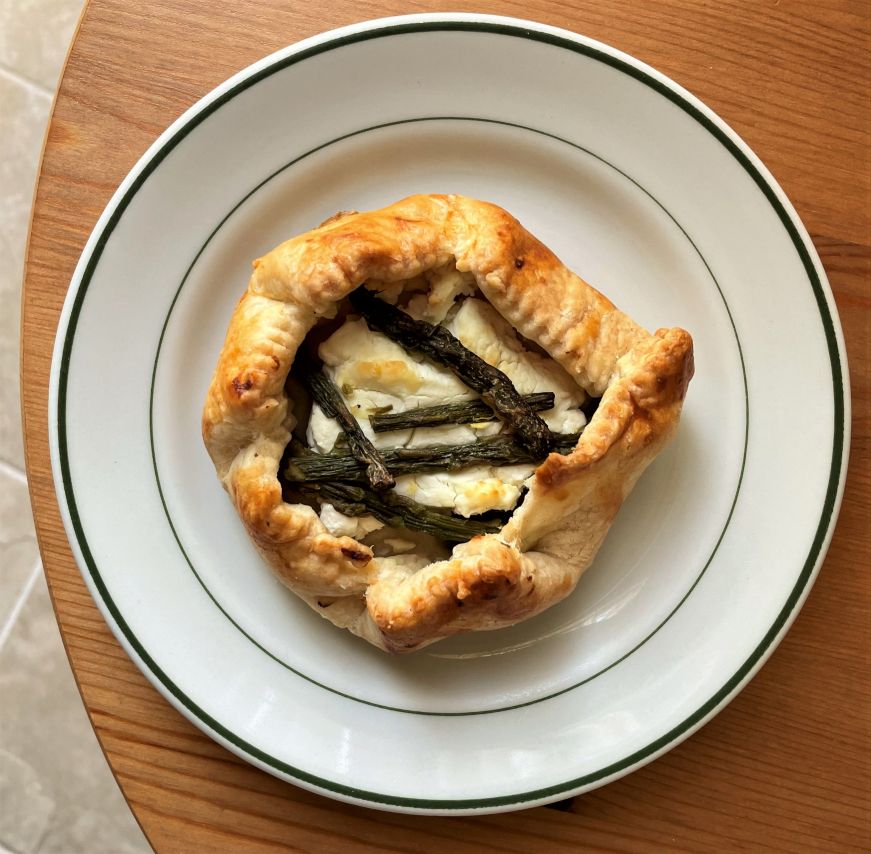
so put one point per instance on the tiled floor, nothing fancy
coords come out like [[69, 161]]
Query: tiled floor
[[56, 791]]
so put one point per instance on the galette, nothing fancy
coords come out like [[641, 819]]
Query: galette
[[427, 423]]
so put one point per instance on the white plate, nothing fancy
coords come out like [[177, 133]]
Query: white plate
[[638, 187]]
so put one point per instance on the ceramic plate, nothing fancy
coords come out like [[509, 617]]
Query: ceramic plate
[[639, 188]]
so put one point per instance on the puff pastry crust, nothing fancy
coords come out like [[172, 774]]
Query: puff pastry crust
[[539, 555]]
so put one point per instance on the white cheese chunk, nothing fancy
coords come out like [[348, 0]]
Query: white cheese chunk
[[447, 434], [399, 545], [445, 285], [470, 491], [367, 361], [340, 525], [322, 432]]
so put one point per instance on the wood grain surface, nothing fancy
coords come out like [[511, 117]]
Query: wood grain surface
[[786, 766]]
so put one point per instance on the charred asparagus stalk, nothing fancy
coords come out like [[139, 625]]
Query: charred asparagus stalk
[[466, 412], [398, 511], [439, 345], [327, 396], [495, 451]]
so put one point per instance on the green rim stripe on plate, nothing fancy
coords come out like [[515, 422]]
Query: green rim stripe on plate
[[837, 386], [184, 552]]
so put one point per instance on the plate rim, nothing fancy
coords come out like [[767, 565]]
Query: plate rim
[[504, 26]]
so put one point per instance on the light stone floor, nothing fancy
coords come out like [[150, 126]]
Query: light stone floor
[[57, 794]]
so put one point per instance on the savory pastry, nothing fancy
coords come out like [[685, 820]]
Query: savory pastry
[[427, 423]]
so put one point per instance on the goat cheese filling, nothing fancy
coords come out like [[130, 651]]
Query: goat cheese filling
[[376, 375]]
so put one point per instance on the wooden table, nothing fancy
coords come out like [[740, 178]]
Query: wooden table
[[786, 765]]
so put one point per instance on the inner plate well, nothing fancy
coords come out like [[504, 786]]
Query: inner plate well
[[624, 242]]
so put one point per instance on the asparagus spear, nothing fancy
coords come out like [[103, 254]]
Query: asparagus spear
[[466, 412], [495, 451], [438, 344], [325, 393], [399, 511]]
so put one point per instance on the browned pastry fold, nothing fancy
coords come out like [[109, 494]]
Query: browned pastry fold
[[538, 557]]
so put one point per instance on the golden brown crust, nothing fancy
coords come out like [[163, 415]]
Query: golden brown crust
[[539, 555]]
